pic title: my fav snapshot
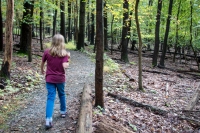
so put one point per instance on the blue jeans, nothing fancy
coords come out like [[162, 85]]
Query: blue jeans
[[51, 88]]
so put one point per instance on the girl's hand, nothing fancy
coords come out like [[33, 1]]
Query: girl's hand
[[42, 72], [65, 65]]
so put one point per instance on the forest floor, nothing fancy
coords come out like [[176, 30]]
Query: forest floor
[[166, 89], [169, 90]]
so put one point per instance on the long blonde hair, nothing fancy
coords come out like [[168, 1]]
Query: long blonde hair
[[58, 46]]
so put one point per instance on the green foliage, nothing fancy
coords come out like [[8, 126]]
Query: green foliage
[[133, 127], [70, 45], [98, 110], [109, 65], [20, 54]]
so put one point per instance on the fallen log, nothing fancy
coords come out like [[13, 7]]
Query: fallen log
[[194, 70], [155, 72], [155, 110], [107, 126], [194, 100], [85, 116], [193, 121]]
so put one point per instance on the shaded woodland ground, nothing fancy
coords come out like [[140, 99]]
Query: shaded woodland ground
[[162, 107], [168, 91]]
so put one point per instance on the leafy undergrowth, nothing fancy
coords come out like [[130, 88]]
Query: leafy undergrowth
[[25, 77], [165, 89]]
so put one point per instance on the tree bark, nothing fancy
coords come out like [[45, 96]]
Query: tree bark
[[105, 28], [41, 31], [194, 100], [81, 33], [69, 21], [157, 34], [62, 20], [140, 47], [92, 29], [112, 38], [85, 115], [177, 29], [99, 42], [76, 22], [7, 61], [124, 42], [54, 19], [89, 24], [26, 29], [162, 59], [1, 30]]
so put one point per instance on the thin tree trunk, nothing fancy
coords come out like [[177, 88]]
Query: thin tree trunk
[[129, 26], [41, 20], [113, 17], [92, 29], [30, 34], [69, 21], [81, 33], [157, 34], [7, 61], [89, 24], [105, 28], [140, 47], [62, 19], [191, 36], [54, 20], [76, 21], [99, 41], [1, 30], [177, 29], [162, 59]]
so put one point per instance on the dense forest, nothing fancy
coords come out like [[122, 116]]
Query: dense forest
[[161, 35]]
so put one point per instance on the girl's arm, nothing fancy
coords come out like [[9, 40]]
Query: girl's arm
[[42, 67]]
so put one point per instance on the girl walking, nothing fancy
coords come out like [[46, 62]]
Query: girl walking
[[57, 60]]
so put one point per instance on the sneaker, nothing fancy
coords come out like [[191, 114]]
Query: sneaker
[[49, 126], [63, 115]]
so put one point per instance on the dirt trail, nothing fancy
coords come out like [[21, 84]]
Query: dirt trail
[[31, 117]]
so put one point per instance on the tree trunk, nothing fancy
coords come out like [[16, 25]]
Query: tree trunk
[[69, 21], [105, 28], [54, 20], [162, 59], [99, 41], [26, 29], [62, 19], [7, 61], [140, 47], [76, 22], [129, 26], [112, 38], [81, 33], [157, 34], [1, 30], [124, 42], [191, 36], [41, 21], [177, 29], [89, 24], [92, 28]]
